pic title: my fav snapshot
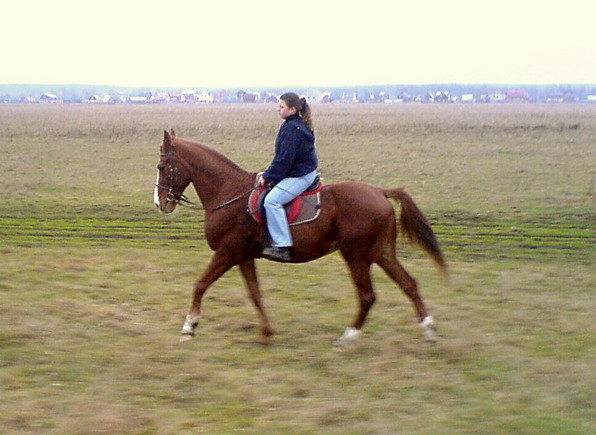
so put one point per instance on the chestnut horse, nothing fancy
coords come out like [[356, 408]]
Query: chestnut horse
[[357, 219]]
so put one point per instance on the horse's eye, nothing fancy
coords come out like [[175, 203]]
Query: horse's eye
[[161, 167]]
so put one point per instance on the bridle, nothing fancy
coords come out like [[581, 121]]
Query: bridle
[[180, 198], [173, 173]]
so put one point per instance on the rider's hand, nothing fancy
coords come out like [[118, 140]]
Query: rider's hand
[[262, 181]]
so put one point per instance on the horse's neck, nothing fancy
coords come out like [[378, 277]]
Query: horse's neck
[[215, 178]]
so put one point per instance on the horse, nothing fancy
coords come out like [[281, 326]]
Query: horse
[[355, 219]]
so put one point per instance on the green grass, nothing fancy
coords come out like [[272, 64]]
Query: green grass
[[94, 284]]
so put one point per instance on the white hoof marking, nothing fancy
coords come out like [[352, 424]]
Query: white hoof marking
[[189, 325], [429, 328], [349, 337]]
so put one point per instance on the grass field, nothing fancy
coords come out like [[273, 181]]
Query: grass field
[[95, 284]]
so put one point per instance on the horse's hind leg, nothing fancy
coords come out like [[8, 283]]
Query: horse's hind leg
[[408, 284], [249, 274], [360, 272]]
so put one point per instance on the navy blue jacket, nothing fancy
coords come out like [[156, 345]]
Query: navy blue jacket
[[295, 153]]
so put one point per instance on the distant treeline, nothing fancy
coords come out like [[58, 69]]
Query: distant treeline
[[77, 93]]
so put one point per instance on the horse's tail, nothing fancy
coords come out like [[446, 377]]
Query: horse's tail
[[416, 227]]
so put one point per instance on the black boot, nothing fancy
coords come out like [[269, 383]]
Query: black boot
[[277, 253]]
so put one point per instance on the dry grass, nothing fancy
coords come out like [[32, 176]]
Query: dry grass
[[484, 157], [94, 284]]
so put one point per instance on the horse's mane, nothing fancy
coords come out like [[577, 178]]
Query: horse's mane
[[214, 155]]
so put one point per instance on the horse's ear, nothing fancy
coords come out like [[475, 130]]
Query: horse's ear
[[167, 139], [172, 133]]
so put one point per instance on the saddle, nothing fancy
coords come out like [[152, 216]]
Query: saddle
[[304, 208]]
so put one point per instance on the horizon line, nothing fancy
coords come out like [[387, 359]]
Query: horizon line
[[488, 83]]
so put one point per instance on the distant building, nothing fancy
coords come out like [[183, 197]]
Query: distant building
[[554, 98], [94, 99], [190, 96], [441, 97], [138, 100], [205, 97], [248, 97], [313, 95], [517, 96], [403, 97], [564, 97], [495, 97], [48, 98], [222, 96], [349, 97], [161, 97], [379, 97], [117, 98], [177, 98], [498, 97], [270, 98]]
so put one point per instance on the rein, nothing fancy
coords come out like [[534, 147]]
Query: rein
[[181, 199]]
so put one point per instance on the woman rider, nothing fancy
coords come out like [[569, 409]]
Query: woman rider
[[292, 171]]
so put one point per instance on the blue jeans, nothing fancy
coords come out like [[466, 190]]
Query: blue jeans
[[283, 192]]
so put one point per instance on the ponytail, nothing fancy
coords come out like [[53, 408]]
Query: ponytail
[[301, 105], [305, 113]]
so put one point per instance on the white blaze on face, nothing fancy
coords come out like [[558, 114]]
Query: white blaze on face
[[155, 194]]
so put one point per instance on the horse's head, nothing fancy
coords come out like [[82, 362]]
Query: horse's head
[[171, 177]]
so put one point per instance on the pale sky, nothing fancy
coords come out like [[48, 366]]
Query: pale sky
[[277, 43]]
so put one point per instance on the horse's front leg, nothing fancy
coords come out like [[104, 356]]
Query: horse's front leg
[[250, 278], [220, 263]]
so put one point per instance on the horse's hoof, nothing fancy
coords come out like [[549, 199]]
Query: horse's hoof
[[348, 339], [430, 336], [186, 337], [429, 328], [264, 341], [341, 345]]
